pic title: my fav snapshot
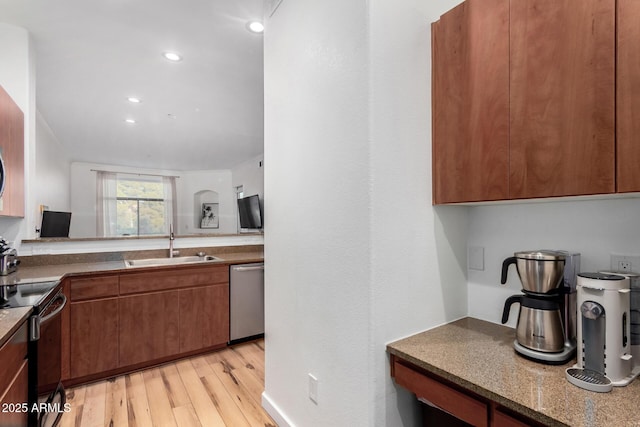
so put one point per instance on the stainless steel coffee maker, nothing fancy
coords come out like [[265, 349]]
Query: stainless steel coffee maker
[[546, 327]]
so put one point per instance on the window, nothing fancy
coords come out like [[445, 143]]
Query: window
[[135, 205]]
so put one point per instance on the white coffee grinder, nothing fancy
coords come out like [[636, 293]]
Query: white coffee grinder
[[604, 333]]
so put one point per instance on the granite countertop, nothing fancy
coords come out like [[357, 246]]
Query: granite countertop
[[479, 356], [10, 319], [45, 273]]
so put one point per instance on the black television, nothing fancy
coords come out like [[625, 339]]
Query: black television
[[55, 224], [250, 212]]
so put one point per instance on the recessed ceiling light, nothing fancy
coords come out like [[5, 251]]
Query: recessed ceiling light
[[255, 27], [172, 56], [134, 100], [171, 116], [131, 121]]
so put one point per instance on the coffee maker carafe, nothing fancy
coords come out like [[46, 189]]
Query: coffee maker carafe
[[545, 330]]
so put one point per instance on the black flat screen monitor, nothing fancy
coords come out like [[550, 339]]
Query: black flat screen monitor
[[55, 224], [250, 212]]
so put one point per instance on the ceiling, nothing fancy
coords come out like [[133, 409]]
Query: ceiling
[[204, 112]]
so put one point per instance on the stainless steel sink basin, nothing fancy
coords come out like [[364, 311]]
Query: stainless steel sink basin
[[153, 262]]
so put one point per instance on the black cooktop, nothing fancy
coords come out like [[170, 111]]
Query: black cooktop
[[27, 295]]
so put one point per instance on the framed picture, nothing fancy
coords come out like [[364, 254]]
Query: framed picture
[[209, 216]]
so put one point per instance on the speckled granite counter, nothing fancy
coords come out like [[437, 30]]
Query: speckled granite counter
[[479, 357], [42, 273], [10, 320]]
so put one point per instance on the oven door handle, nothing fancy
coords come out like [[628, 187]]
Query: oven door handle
[[36, 321]]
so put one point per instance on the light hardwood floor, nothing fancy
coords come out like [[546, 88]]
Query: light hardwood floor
[[216, 389]]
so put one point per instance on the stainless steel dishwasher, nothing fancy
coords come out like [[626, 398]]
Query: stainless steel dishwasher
[[246, 302]]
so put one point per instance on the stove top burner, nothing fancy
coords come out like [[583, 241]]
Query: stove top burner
[[26, 295]]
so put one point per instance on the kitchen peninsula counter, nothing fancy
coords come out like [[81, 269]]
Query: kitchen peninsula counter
[[92, 263], [478, 356], [10, 319]]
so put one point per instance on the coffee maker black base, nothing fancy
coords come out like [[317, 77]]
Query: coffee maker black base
[[558, 358]]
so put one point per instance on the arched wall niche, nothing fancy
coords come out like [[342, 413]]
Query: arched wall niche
[[199, 199]]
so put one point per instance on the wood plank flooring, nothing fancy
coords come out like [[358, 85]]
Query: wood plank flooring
[[216, 389]]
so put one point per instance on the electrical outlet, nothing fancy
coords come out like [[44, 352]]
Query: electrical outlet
[[625, 263], [313, 389]]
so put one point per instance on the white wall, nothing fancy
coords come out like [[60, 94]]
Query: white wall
[[17, 76], [356, 255], [250, 175], [317, 193], [52, 175], [83, 197], [594, 228], [193, 182], [419, 253]]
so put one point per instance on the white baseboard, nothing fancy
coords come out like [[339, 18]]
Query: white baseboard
[[275, 412]]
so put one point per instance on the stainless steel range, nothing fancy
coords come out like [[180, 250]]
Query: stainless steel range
[[46, 393]]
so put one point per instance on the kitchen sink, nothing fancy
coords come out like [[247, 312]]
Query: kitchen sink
[[154, 262]]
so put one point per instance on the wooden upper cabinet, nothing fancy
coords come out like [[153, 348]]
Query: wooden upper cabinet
[[562, 98], [628, 96], [12, 150], [470, 93]]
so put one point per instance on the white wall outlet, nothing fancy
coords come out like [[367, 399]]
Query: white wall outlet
[[625, 263], [313, 389], [475, 258]]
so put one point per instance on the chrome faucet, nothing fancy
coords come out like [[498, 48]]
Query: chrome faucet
[[171, 239]]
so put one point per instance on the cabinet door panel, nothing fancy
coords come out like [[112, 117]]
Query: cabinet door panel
[[204, 317], [148, 327], [94, 336], [562, 98], [16, 393], [470, 85], [12, 146], [628, 97]]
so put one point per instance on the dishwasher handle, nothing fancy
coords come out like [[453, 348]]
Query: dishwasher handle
[[249, 268]]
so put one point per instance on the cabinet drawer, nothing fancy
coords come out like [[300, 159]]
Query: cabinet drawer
[[12, 355], [458, 404], [502, 419], [152, 281], [94, 287]]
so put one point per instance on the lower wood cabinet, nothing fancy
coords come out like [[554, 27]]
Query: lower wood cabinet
[[459, 406], [14, 386], [93, 336], [204, 317], [149, 327], [131, 320], [16, 394]]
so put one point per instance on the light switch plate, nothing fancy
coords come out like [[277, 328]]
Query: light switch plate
[[475, 258]]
